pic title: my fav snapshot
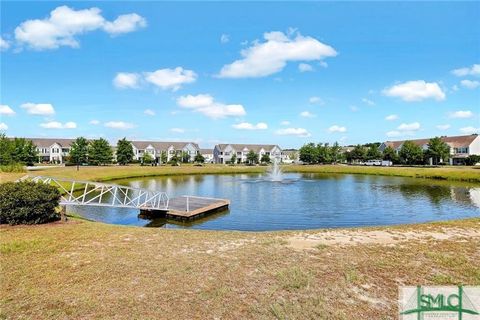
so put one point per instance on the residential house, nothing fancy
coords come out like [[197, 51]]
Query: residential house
[[460, 146], [207, 154], [52, 149], [290, 156], [222, 153], [156, 148]]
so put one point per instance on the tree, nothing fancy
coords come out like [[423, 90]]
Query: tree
[[79, 151], [373, 153], [410, 153], [6, 150], [308, 153], [163, 157], [147, 158], [472, 160], [199, 158], [265, 158], [389, 154], [359, 153], [124, 151], [24, 151], [335, 152], [100, 152], [323, 153], [185, 157], [252, 157], [437, 150], [233, 159]]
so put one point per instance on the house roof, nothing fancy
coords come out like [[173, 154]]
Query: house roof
[[48, 142], [254, 147], [162, 145], [206, 151], [453, 141]]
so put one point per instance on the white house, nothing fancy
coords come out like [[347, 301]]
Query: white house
[[460, 146], [207, 154], [222, 153], [52, 150], [290, 156], [156, 148]]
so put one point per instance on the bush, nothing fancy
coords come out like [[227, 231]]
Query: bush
[[13, 167], [472, 160], [28, 203]]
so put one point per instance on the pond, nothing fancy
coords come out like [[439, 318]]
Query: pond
[[303, 201]]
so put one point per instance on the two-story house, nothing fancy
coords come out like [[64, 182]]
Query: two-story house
[[222, 153]]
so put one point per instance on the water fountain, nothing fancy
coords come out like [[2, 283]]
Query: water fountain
[[275, 172]]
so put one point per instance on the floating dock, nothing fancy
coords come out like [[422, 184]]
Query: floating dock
[[189, 208]]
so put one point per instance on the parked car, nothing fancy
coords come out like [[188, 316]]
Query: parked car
[[382, 163]]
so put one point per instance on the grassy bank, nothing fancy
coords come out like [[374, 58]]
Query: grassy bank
[[117, 172], [90, 270]]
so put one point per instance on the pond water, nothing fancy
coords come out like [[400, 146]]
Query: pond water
[[303, 201]]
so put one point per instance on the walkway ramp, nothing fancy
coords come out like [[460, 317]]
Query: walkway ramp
[[150, 203]]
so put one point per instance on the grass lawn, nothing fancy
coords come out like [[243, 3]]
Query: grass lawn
[[118, 172], [87, 270]]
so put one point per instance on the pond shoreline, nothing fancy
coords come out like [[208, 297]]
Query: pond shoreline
[[111, 173]]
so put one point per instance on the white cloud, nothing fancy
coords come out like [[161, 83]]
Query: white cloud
[[250, 126], [5, 110], [416, 90], [271, 56], [94, 122], [391, 117], [285, 123], [470, 84], [3, 126], [305, 67], [224, 38], [455, 87], [205, 104], [443, 127], [125, 80], [354, 108], [58, 125], [149, 112], [178, 130], [336, 128], [125, 23], [474, 70], [299, 132], [64, 24], [461, 114], [469, 130], [323, 64], [409, 127], [119, 125], [170, 78], [405, 129], [316, 100], [368, 101], [4, 44], [393, 133], [307, 114], [43, 109]]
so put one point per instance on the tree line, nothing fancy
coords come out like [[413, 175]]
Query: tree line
[[409, 153]]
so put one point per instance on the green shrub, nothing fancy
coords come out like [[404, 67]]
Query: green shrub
[[28, 203], [13, 167]]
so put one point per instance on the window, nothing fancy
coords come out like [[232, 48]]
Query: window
[[239, 153]]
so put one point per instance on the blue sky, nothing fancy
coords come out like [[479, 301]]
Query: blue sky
[[256, 72]]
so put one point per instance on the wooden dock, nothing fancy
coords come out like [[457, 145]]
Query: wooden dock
[[189, 207]]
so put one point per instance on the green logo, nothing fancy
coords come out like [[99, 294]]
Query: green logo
[[436, 302]]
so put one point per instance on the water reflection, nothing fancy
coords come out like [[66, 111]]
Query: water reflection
[[302, 201]]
